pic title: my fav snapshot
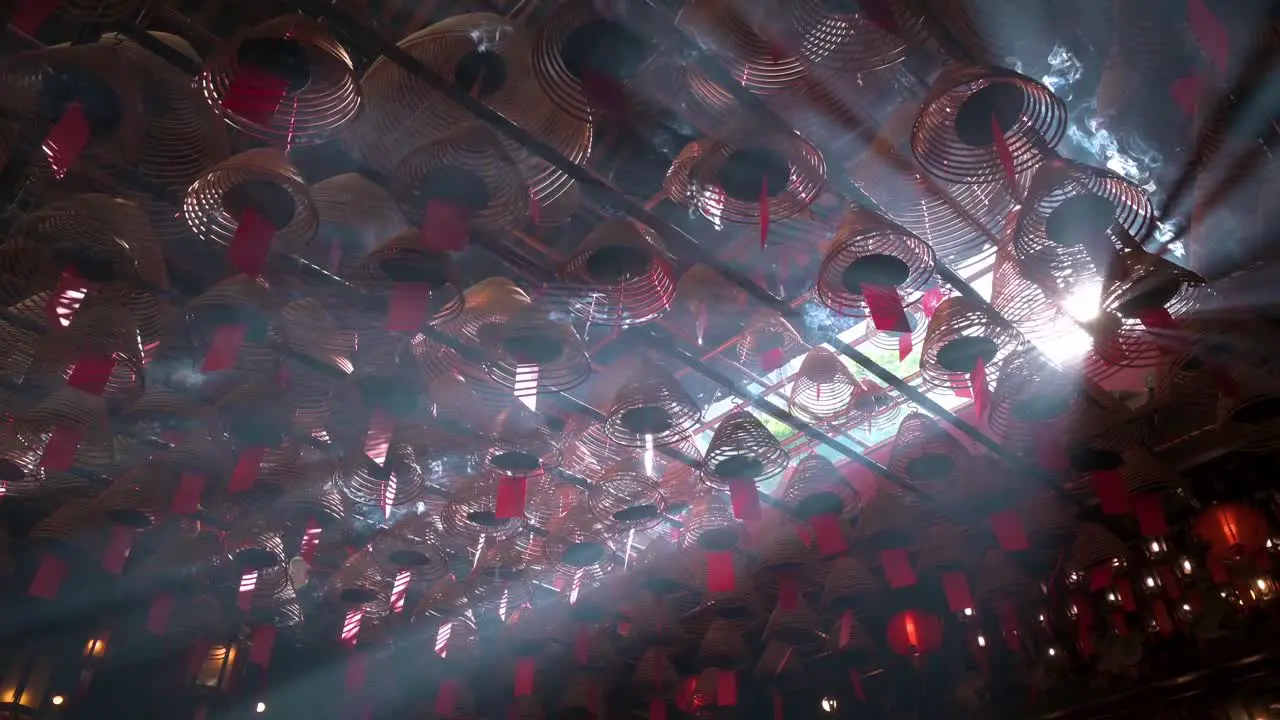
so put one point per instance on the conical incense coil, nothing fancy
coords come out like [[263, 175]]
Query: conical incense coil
[[628, 497], [97, 353], [679, 464], [654, 673], [890, 516], [579, 545], [488, 56], [413, 545], [819, 496], [964, 340], [85, 101], [793, 622], [755, 181], [587, 451], [286, 81], [874, 268], [57, 531], [183, 135], [409, 285], [461, 182], [768, 342], [753, 57], [851, 585], [68, 426], [308, 329], [875, 407], [651, 409], [500, 577], [533, 354], [904, 343], [619, 276], [723, 646], [945, 546], [1048, 516], [472, 514], [955, 135], [742, 450], [842, 38], [255, 203], [711, 527], [228, 324], [27, 268], [926, 453], [1154, 291], [20, 471], [1029, 395], [521, 444], [784, 554], [491, 300], [998, 578], [1094, 546], [398, 480], [356, 215], [134, 501], [1128, 342], [360, 582], [1073, 222], [1026, 306]]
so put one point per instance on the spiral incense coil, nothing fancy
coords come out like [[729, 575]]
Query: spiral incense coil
[[471, 515], [42, 85], [851, 585], [355, 215], [445, 604], [580, 545], [1073, 221], [843, 38], [500, 576], [1253, 418], [1024, 304], [587, 451], [360, 582], [998, 578], [1122, 342], [742, 448], [869, 249], [71, 409], [622, 274], [782, 552], [795, 625], [308, 329], [654, 673], [768, 342], [651, 408], [286, 81], [237, 300], [1150, 284], [402, 483], [891, 340], [135, 500], [27, 268], [20, 472], [1094, 546], [891, 514], [520, 444], [705, 293], [945, 546], [401, 262], [533, 354], [57, 530], [1028, 395], [961, 333], [728, 180], [753, 58], [256, 544], [413, 545], [953, 138], [97, 330], [1048, 517], [926, 453], [183, 135], [823, 388], [490, 57], [710, 525], [817, 487], [628, 496], [491, 300], [262, 180]]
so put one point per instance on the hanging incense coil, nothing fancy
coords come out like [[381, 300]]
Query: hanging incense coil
[[945, 546], [398, 480], [183, 135], [56, 532], [1094, 546], [727, 180], [846, 38], [261, 180], [927, 454], [904, 344], [83, 417], [753, 58], [851, 585], [360, 582], [1073, 222], [1024, 304], [651, 408], [628, 496], [742, 448], [768, 342], [703, 293], [1029, 394], [533, 354], [99, 332], [255, 544], [521, 444], [1123, 342], [27, 268], [1150, 285], [1049, 518], [587, 451], [954, 140], [491, 300], [402, 263], [998, 578], [237, 301], [580, 545], [961, 335], [623, 276], [489, 57], [823, 388], [654, 672], [501, 576], [869, 249], [711, 525], [135, 500], [20, 472], [286, 81], [817, 487], [308, 329], [471, 514], [355, 215]]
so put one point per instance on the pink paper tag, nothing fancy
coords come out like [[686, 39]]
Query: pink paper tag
[[261, 643], [67, 139], [60, 452], [720, 571], [897, 568], [955, 585], [510, 500], [885, 306], [1009, 530], [245, 474], [119, 543], [49, 576], [159, 614], [446, 698], [224, 348], [525, 670], [446, 225], [186, 500], [1149, 510], [91, 373], [252, 242], [1113, 496], [788, 592], [828, 534], [726, 688], [31, 15], [255, 94], [745, 499]]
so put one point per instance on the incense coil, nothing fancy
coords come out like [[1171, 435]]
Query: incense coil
[[20, 472], [1094, 546], [470, 515], [891, 340], [651, 407], [953, 136], [817, 487], [768, 341], [891, 516], [702, 290], [56, 532], [520, 444], [628, 497], [467, 166], [452, 375], [319, 90], [404, 259], [444, 605], [723, 646], [874, 406], [261, 179], [851, 585], [284, 471], [255, 544], [1122, 342], [1029, 395], [1023, 303], [183, 134], [753, 58], [654, 673], [1048, 518], [870, 249], [587, 451], [580, 545], [484, 54], [97, 330], [403, 482], [308, 329], [355, 215], [491, 300], [501, 575], [711, 526], [726, 180], [135, 500], [530, 339], [797, 627], [998, 578], [27, 268], [844, 39], [927, 454], [623, 276], [945, 546], [1150, 283], [1251, 421], [67, 408], [960, 334], [742, 448], [823, 388], [1073, 220], [361, 583]]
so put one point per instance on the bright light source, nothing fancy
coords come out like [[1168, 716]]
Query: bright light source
[[1261, 583], [829, 704], [1186, 607], [1155, 546], [261, 707], [1151, 581], [968, 612], [1053, 651], [1111, 597], [57, 700], [982, 641], [1186, 565]]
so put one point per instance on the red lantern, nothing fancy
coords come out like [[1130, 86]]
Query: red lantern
[[914, 633], [1232, 530]]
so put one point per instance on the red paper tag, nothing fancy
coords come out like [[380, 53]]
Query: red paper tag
[[897, 568], [846, 629], [245, 474], [49, 577], [978, 383], [955, 585], [524, 677], [788, 592], [1210, 34], [720, 571], [726, 688], [261, 642], [244, 596], [446, 698], [1004, 154], [1118, 623], [252, 242], [510, 499], [855, 678], [91, 373], [1158, 319], [931, 300], [119, 543], [67, 139], [1113, 496], [159, 614], [376, 441], [777, 705], [828, 534], [745, 499], [581, 644], [60, 452], [1186, 93], [1100, 577], [1051, 452], [31, 15], [1124, 589], [224, 348], [764, 211], [771, 360], [1150, 513], [1009, 530], [255, 94], [1169, 580], [905, 346], [310, 542], [186, 500], [604, 95], [409, 308], [446, 226], [887, 313]]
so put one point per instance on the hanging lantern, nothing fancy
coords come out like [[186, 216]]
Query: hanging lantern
[[914, 633], [1232, 530]]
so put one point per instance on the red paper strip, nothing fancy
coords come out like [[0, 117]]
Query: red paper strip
[[720, 571], [446, 698], [955, 585], [1186, 93], [1100, 577], [1009, 530], [777, 705], [119, 543], [49, 576], [252, 242], [764, 211], [1158, 319], [158, 615], [745, 499], [855, 678], [409, 308], [255, 94], [1004, 154], [67, 139], [828, 534], [1051, 452], [1113, 496], [771, 360], [446, 225], [1084, 640], [261, 642], [310, 542], [1124, 589], [1172, 587], [684, 696], [524, 677], [1160, 613], [897, 568], [846, 629], [244, 595], [1149, 510], [726, 688], [1009, 626], [788, 592], [91, 373], [510, 499], [905, 346], [1210, 34], [60, 452], [186, 500], [1083, 608], [931, 300], [1118, 623], [245, 474], [535, 208], [31, 15], [978, 384], [885, 306], [224, 348]]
